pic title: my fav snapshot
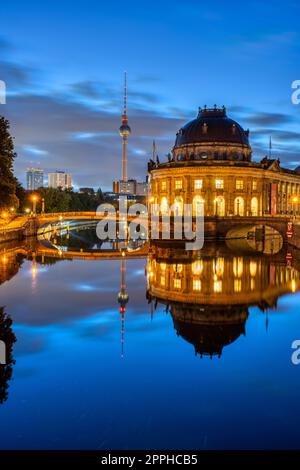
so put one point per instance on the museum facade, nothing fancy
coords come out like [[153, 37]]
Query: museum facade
[[211, 168]]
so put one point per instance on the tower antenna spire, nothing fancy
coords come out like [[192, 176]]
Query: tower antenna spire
[[125, 94], [270, 147]]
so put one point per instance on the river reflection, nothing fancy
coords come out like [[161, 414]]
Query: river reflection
[[208, 293], [131, 324]]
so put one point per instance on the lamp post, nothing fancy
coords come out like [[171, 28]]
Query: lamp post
[[43, 205], [295, 201], [34, 200]]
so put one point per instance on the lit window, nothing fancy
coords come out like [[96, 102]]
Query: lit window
[[196, 284], [198, 184], [177, 283], [197, 267], [218, 266], [253, 268], [163, 280], [237, 285], [163, 266], [219, 184], [254, 185], [178, 184], [238, 266], [217, 286], [178, 268], [239, 184], [163, 185]]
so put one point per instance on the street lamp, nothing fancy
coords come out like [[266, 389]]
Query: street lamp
[[34, 200], [43, 205], [295, 200]]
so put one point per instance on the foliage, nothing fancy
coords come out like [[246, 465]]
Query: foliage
[[8, 196], [57, 200]]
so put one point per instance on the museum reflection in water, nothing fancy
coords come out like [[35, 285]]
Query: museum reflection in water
[[207, 293]]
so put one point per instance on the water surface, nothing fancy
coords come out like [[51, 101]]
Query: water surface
[[198, 358]]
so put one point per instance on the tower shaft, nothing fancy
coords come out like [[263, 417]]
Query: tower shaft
[[124, 159]]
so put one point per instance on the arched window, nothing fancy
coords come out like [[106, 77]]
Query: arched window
[[239, 206], [164, 206], [198, 206], [178, 205], [219, 206], [254, 206]]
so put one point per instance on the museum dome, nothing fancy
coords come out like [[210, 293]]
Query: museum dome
[[212, 125], [209, 337]]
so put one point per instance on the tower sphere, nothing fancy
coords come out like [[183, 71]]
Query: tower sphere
[[124, 130]]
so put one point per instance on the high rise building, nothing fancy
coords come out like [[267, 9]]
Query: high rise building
[[60, 179], [34, 178]]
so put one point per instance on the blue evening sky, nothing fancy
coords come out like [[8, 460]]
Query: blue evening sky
[[63, 65]]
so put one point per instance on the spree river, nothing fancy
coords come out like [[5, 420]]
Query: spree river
[[166, 350]]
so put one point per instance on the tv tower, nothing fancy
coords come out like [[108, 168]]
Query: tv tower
[[123, 298], [125, 132]]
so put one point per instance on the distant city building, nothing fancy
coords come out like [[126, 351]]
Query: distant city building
[[60, 179], [116, 187], [89, 191], [132, 187], [34, 178], [142, 188], [114, 197]]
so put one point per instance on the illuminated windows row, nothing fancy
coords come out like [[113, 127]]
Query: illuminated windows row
[[198, 184], [217, 285]]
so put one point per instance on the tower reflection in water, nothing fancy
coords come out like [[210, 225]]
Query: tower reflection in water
[[209, 293]]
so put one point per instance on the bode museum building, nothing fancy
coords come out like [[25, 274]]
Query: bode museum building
[[211, 167]]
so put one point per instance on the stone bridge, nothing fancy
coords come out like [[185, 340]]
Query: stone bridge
[[230, 226]]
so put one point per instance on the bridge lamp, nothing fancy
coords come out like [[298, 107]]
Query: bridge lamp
[[12, 209], [34, 200], [4, 215], [295, 200], [27, 210]]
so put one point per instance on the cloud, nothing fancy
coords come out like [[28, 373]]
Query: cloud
[[269, 119], [14, 75], [84, 139]]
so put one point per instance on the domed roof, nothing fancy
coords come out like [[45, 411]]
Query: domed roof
[[212, 125]]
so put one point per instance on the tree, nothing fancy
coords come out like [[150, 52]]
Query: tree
[[56, 200], [8, 337], [8, 196]]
